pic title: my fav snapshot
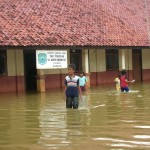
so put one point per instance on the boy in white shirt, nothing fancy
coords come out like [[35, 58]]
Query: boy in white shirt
[[72, 88]]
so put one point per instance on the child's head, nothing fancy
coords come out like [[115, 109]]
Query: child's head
[[71, 69], [81, 74], [123, 72]]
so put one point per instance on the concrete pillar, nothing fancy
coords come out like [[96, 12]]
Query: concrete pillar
[[123, 59], [86, 61], [86, 56], [40, 81]]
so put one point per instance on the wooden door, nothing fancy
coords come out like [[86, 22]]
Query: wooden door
[[30, 70], [137, 64]]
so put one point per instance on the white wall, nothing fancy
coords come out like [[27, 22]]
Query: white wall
[[128, 59], [97, 60], [146, 58], [15, 62]]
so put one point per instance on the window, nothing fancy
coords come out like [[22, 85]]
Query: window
[[76, 58], [112, 60], [3, 66]]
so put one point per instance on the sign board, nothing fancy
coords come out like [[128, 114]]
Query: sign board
[[51, 59]]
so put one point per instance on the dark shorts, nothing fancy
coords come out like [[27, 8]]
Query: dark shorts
[[72, 102], [124, 89], [83, 89]]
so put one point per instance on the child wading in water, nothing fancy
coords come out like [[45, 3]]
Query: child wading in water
[[72, 88], [124, 82], [117, 80], [82, 82]]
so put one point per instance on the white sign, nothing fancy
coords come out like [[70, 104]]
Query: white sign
[[51, 59]]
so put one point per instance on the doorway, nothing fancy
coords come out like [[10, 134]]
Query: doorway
[[76, 58], [30, 70], [137, 64]]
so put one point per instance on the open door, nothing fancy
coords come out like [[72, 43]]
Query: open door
[[137, 64], [30, 70], [76, 58]]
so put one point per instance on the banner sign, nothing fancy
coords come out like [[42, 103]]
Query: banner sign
[[51, 59]]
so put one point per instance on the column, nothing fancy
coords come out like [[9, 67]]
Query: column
[[40, 80], [86, 55], [123, 59]]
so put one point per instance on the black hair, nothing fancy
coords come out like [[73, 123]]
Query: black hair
[[82, 73], [123, 72], [72, 66]]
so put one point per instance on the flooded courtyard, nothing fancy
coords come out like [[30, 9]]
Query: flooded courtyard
[[106, 120]]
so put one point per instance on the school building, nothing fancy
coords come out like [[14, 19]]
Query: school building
[[101, 38]]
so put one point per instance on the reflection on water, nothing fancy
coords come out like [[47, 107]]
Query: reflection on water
[[106, 119]]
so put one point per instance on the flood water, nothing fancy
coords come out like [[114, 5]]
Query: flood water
[[106, 120]]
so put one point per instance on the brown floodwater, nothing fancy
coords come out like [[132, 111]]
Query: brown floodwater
[[106, 120]]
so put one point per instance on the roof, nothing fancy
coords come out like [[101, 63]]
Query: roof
[[74, 22]]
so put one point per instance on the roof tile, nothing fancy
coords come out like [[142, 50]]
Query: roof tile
[[74, 22]]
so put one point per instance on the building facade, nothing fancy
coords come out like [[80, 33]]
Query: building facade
[[19, 73], [101, 38]]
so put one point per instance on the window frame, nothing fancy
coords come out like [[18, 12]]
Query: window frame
[[4, 55]]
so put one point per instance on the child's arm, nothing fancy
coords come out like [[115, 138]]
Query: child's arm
[[85, 80], [80, 93], [79, 89], [65, 82], [65, 92], [129, 81]]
